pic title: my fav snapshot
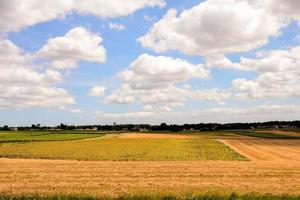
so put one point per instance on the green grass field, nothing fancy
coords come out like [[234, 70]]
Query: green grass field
[[122, 149], [30, 136], [261, 134]]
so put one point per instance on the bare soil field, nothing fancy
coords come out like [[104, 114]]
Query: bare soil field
[[154, 135], [266, 149], [19, 176]]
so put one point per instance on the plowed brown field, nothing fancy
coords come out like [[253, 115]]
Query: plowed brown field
[[266, 149], [112, 178]]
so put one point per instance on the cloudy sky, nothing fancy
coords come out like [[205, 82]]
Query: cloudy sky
[[149, 61]]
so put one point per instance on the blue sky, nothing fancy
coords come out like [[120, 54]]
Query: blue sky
[[203, 84]]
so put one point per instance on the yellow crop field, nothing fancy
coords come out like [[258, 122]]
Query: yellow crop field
[[123, 149]]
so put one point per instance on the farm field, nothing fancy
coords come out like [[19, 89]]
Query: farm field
[[266, 149], [109, 178], [285, 133], [150, 164], [123, 149], [29, 136], [264, 134]]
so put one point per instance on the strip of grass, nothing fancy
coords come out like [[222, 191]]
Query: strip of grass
[[232, 196], [43, 136], [118, 149], [262, 134]]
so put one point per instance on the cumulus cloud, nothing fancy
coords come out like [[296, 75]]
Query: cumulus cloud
[[221, 26], [153, 81], [265, 112], [129, 115], [285, 10], [166, 98], [278, 75], [77, 44], [116, 26], [21, 86], [148, 72], [213, 27], [97, 91], [114, 8], [15, 14]]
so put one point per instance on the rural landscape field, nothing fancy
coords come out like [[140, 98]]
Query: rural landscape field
[[152, 165]]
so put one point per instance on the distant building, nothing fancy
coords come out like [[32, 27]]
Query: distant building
[[144, 130], [264, 127], [275, 127], [286, 126]]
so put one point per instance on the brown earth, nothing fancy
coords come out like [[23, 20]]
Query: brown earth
[[19, 176], [154, 135], [266, 149]]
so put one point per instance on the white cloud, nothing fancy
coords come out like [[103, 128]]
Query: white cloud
[[266, 112], [77, 44], [21, 86], [285, 10], [148, 72], [166, 97], [15, 14], [129, 115], [77, 110], [279, 75], [97, 91], [114, 8], [221, 26], [116, 26], [153, 81], [213, 27]]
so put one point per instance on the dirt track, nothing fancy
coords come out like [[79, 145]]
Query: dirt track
[[112, 178], [266, 149], [154, 135]]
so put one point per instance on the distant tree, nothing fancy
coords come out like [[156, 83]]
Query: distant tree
[[5, 128], [33, 126], [163, 126]]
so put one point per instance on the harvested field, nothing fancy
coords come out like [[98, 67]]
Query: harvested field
[[21, 176], [155, 135], [266, 149]]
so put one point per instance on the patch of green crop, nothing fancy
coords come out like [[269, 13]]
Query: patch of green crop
[[30, 136], [261, 134], [122, 149]]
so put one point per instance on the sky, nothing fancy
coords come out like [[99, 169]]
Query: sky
[[148, 61]]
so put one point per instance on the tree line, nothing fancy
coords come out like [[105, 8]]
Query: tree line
[[162, 126]]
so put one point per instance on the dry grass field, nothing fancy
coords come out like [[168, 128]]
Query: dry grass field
[[18, 176]]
